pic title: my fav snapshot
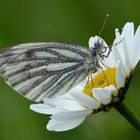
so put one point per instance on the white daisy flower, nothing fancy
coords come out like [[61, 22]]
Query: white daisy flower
[[121, 61], [106, 89]]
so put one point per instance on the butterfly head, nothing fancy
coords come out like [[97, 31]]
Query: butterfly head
[[98, 47]]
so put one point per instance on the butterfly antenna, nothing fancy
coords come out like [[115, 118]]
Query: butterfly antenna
[[105, 21]]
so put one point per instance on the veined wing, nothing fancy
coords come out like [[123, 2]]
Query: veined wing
[[38, 70]]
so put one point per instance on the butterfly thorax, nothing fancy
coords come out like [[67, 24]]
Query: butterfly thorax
[[92, 62]]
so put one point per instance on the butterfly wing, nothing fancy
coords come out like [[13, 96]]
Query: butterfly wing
[[38, 70]]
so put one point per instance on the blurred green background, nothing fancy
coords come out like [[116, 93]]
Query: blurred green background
[[71, 21]]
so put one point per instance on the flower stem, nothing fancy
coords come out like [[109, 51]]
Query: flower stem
[[125, 112]]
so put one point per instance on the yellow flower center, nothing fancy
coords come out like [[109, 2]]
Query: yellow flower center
[[101, 80]]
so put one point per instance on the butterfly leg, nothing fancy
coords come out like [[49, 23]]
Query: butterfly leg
[[105, 75]]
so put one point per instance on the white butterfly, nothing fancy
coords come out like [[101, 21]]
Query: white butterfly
[[38, 70]]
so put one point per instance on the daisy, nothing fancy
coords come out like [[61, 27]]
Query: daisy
[[106, 89]]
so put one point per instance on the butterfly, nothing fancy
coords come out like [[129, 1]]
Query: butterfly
[[39, 70]]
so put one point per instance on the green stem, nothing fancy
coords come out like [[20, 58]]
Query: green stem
[[125, 112]]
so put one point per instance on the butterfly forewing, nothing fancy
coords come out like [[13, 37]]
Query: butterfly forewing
[[38, 70]]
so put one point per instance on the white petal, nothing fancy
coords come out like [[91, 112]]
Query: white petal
[[118, 38], [120, 77], [58, 126], [64, 104], [104, 94], [109, 61], [128, 36], [117, 58], [135, 49], [43, 109], [122, 51], [86, 100], [71, 115], [128, 33]]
